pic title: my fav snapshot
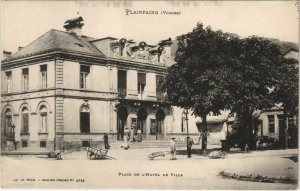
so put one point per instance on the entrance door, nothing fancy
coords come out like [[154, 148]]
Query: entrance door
[[141, 121], [121, 121], [160, 117]]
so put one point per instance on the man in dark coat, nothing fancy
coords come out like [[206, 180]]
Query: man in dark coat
[[189, 142]]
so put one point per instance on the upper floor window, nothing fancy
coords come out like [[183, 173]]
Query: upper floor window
[[8, 81], [271, 124], [141, 82], [25, 79], [159, 80], [122, 83], [25, 121], [43, 70], [84, 74]]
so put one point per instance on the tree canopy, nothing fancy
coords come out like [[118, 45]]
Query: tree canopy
[[216, 71]]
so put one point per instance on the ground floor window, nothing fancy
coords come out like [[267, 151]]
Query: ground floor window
[[24, 143], [43, 144], [8, 122], [84, 119], [85, 143], [271, 124]]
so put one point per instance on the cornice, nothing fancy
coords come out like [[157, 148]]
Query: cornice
[[84, 58]]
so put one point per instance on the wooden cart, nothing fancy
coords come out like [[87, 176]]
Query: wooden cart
[[158, 154], [217, 155], [96, 153]]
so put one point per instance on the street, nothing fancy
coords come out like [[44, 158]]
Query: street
[[132, 169]]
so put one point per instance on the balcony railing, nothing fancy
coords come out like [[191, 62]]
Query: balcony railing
[[142, 95]]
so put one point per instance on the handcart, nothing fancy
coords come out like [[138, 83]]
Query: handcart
[[158, 154], [217, 155], [96, 153]]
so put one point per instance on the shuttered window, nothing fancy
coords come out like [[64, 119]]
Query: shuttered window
[[25, 121], [141, 82]]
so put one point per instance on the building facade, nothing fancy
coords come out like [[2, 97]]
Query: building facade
[[65, 90]]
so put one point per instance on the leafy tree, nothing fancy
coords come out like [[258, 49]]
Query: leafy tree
[[216, 71], [194, 81], [286, 92]]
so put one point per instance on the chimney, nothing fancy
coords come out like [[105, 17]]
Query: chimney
[[74, 25], [20, 48], [6, 54]]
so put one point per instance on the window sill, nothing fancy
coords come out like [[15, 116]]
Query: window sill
[[24, 134], [43, 133]]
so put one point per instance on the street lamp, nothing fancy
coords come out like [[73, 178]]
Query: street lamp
[[185, 116]]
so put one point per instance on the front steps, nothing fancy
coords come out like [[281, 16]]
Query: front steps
[[145, 144]]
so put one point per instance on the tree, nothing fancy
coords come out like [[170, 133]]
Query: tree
[[286, 92], [194, 81], [216, 71], [261, 80]]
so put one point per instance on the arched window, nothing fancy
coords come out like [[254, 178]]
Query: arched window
[[8, 122], [84, 119], [43, 119], [25, 121]]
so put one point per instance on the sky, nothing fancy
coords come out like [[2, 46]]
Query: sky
[[24, 21]]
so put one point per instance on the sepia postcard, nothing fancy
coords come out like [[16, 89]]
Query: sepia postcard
[[177, 95]]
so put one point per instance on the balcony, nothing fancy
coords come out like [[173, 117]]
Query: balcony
[[144, 95]]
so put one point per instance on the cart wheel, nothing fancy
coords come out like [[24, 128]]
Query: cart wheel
[[151, 158]]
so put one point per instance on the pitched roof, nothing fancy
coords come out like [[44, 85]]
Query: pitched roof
[[283, 46], [54, 40]]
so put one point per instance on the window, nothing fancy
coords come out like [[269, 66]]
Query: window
[[24, 143], [84, 119], [43, 144], [8, 82], [159, 80], [43, 119], [8, 122], [25, 79], [25, 121], [271, 124], [85, 143], [43, 69], [122, 83], [84, 73], [141, 82]]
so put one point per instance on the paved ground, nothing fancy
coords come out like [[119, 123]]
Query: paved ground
[[129, 171]]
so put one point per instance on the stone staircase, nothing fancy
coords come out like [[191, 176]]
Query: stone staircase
[[146, 144]]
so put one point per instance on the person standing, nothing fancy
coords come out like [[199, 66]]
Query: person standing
[[189, 144], [132, 132], [126, 138], [173, 148], [106, 144], [139, 135]]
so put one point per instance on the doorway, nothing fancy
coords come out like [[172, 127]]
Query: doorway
[[121, 122], [141, 120]]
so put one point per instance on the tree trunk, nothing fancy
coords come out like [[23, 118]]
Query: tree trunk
[[204, 135]]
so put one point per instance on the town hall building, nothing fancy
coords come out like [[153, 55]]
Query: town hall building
[[66, 90]]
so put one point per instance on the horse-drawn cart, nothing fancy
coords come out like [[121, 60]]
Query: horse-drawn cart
[[96, 153]]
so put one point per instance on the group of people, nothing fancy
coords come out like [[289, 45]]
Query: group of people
[[131, 135], [135, 135], [189, 142]]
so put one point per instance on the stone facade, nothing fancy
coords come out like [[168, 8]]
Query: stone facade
[[62, 96]]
